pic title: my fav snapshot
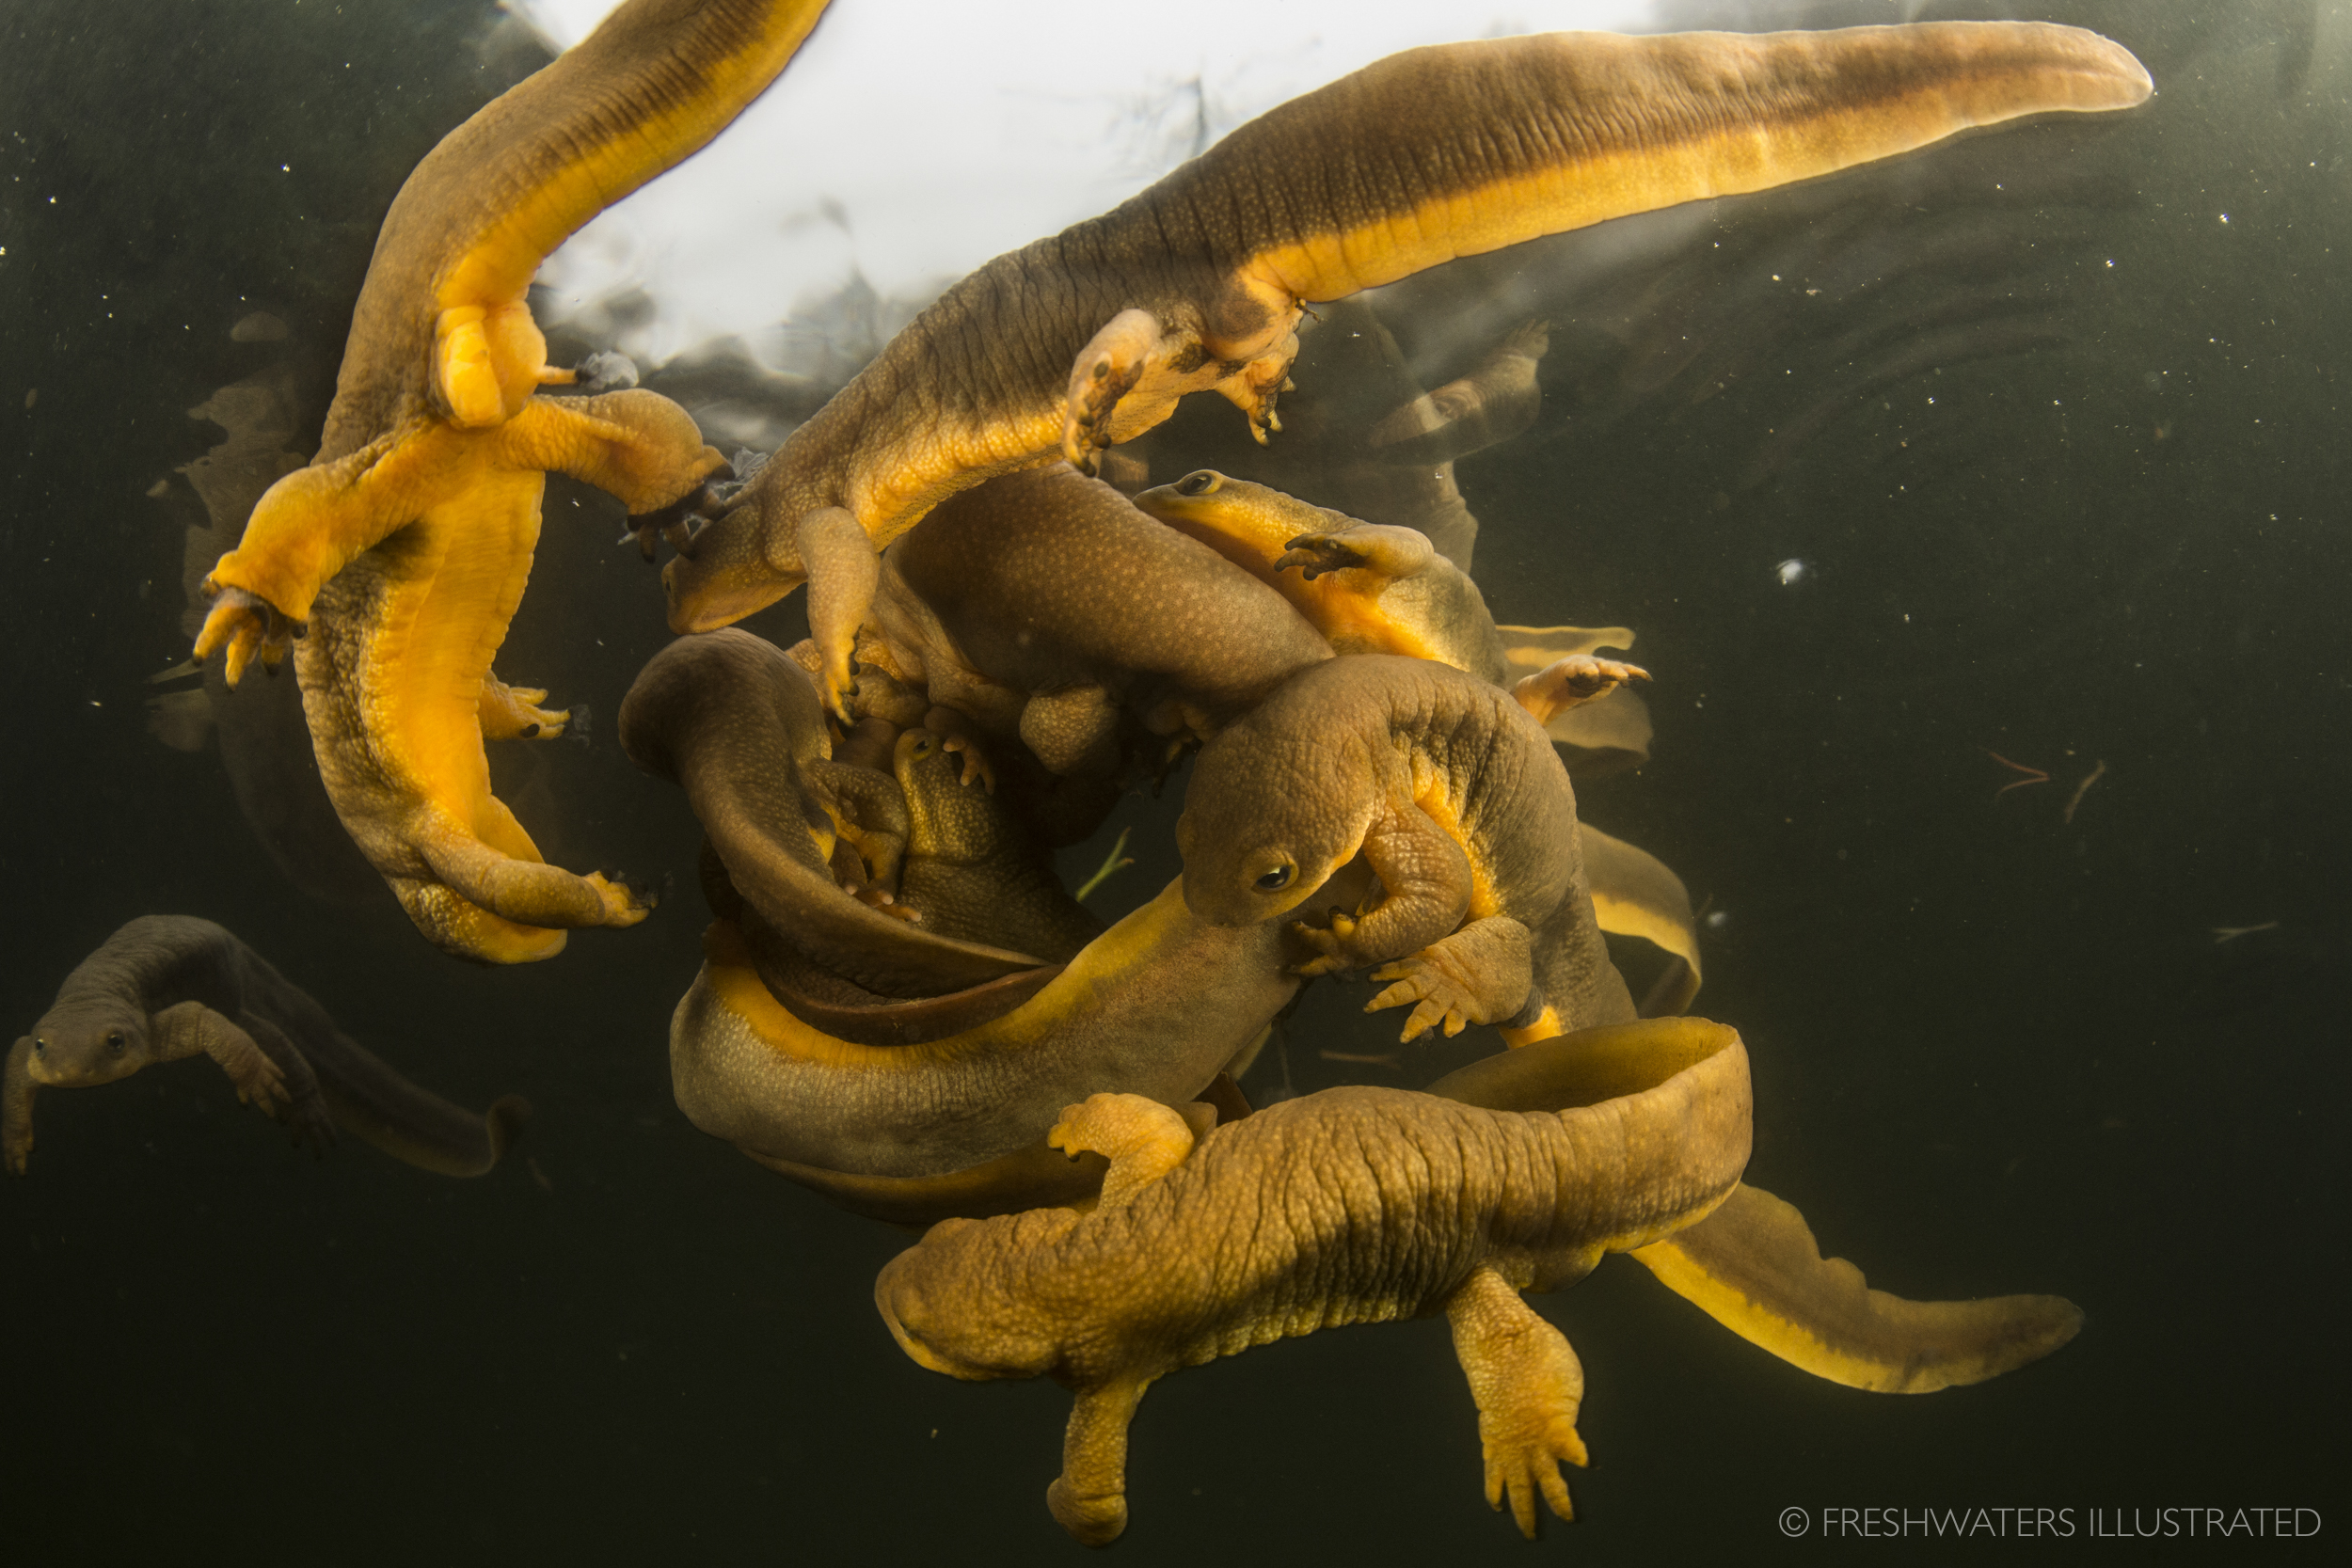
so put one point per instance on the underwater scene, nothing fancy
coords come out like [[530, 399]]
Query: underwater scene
[[1580, 765]]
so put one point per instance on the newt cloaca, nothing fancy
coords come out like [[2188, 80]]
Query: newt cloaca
[[1450, 791], [1351, 1205], [166, 987], [403, 547], [1198, 283]]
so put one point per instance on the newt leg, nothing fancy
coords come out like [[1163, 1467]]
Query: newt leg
[[1106, 371], [842, 571], [958, 735], [1254, 387], [636, 445], [246, 626], [1479, 975], [528, 892], [513, 712], [1567, 682], [306, 1114], [1089, 1497], [1426, 878], [1143, 1140], [192, 1029], [869, 810], [1073, 730], [673, 523], [1528, 1385], [1391, 552]]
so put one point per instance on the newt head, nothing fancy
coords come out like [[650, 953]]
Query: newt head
[[989, 1321], [92, 1044], [1262, 832], [730, 571]]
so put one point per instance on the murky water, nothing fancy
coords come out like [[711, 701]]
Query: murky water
[[2051, 424]]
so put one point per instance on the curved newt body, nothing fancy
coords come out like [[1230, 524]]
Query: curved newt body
[[425, 489], [734, 722], [1042, 604], [1451, 792], [1368, 588], [166, 987], [1156, 1005], [1366, 1205], [1197, 284], [1353, 1205]]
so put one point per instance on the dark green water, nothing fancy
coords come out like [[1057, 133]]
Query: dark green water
[[1996, 1050]]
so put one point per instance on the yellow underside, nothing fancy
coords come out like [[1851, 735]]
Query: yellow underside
[[1769, 1284], [1614, 181], [1120, 957], [1793, 1342], [1331, 604], [432, 644], [1432, 800]]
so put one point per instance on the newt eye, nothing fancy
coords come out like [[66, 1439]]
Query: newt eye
[[1199, 482], [115, 1041], [40, 1047], [1276, 880]]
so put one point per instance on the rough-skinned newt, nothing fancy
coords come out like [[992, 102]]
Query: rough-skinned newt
[[1355, 1205], [1198, 283], [1351, 1205], [1369, 588], [1156, 1005], [407, 541], [1042, 604], [1450, 791], [166, 987], [734, 722], [1754, 1266]]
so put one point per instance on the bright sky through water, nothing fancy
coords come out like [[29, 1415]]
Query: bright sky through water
[[943, 134]]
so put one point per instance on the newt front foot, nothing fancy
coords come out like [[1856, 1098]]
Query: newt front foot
[[514, 712], [1330, 943], [245, 624], [881, 899], [960, 737], [260, 1084], [1440, 999], [1576, 679], [1107, 369], [1314, 554], [675, 523], [1523, 1462], [624, 905]]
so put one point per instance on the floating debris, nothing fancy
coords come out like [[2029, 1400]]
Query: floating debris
[[2076, 798]]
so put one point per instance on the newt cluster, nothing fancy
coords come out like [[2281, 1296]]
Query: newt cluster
[[902, 1004]]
